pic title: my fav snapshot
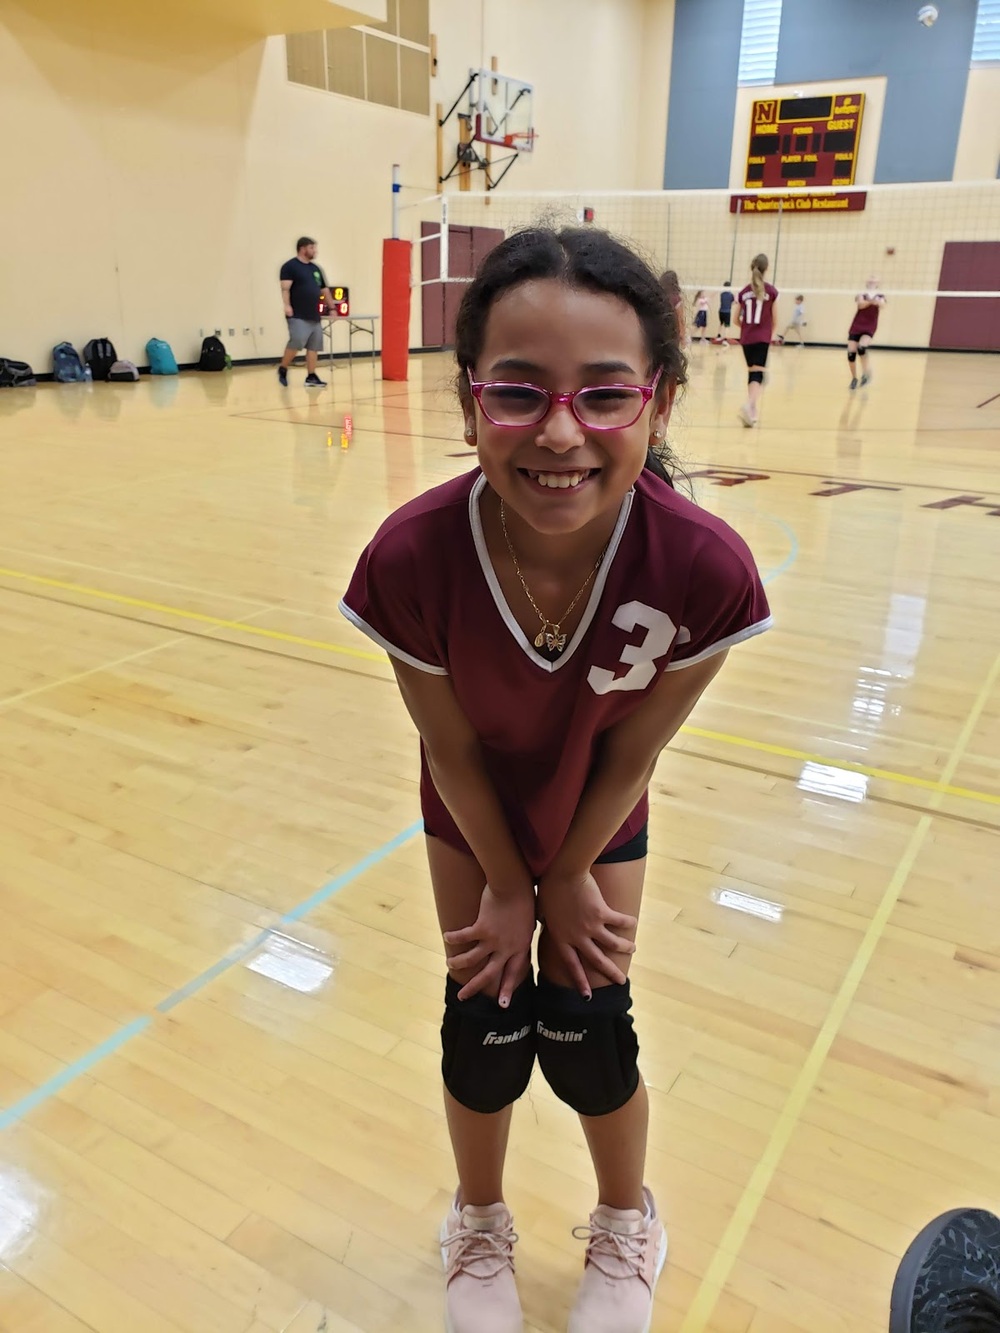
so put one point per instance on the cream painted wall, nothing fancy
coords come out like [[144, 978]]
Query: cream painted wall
[[654, 91], [978, 155], [166, 172]]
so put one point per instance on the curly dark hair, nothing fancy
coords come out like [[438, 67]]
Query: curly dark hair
[[590, 260]]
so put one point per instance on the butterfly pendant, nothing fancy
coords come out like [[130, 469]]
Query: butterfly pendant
[[551, 639]]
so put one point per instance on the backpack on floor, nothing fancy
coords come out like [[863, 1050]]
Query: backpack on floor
[[67, 368], [100, 356], [161, 358], [16, 374], [123, 372], [213, 354]]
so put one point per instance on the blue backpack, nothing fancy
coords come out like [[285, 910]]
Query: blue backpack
[[67, 367], [161, 359]]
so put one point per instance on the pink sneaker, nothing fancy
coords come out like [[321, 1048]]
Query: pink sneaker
[[625, 1255], [477, 1247]]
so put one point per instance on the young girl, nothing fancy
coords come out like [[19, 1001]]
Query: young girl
[[755, 315], [701, 315], [552, 616], [862, 331], [671, 285]]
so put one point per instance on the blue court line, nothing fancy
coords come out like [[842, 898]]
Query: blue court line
[[12, 1114], [793, 548], [79, 1067]]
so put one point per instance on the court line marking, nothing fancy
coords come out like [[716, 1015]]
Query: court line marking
[[988, 400], [19, 1109], [934, 785], [738, 1228], [162, 608], [139, 578], [9, 699], [829, 476]]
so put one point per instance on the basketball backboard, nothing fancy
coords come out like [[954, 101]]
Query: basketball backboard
[[502, 110]]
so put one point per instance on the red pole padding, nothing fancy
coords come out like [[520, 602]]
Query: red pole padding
[[395, 309]]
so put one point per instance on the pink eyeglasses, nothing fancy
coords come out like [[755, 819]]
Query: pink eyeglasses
[[598, 407]]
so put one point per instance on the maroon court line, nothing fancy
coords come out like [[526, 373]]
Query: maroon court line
[[988, 400], [828, 477]]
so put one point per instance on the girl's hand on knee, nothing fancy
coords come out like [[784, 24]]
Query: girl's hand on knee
[[584, 929], [496, 948]]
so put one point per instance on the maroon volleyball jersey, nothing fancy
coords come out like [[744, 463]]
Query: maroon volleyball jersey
[[676, 586], [757, 313], [866, 321]]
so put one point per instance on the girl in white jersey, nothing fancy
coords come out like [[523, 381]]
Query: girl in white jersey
[[552, 616]]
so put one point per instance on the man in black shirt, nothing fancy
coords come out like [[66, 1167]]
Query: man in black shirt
[[303, 288]]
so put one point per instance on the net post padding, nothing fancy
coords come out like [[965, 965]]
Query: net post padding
[[396, 259]]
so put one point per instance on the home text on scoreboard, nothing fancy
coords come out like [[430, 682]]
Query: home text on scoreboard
[[804, 141]]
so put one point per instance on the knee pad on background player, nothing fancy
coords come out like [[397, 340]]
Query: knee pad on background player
[[488, 1053], [862, 351], [852, 356], [587, 1049], [755, 377]]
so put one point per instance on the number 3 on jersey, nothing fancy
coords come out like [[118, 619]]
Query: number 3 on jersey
[[640, 658]]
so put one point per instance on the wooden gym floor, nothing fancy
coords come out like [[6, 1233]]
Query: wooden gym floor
[[220, 974]]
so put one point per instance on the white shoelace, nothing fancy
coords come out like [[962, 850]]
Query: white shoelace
[[495, 1249]]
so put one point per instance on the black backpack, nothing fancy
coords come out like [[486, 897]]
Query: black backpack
[[213, 354], [16, 374], [100, 356]]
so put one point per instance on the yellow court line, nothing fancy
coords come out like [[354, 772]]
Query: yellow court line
[[161, 607], [939, 785], [734, 1237]]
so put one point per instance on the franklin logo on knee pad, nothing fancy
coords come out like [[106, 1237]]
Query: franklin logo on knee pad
[[587, 1049], [551, 1035], [487, 1053], [498, 1039]]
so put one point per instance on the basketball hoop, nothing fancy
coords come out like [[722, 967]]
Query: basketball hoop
[[521, 142]]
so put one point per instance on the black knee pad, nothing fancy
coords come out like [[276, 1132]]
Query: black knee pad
[[852, 356], [862, 351], [587, 1049], [488, 1053], [755, 377]]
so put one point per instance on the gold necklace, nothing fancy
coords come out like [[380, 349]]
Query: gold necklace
[[551, 634]]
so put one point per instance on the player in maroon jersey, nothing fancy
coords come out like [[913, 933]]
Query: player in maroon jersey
[[552, 618], [863, 325], [755, 316]]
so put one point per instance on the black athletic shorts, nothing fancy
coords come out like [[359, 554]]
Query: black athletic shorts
[[755, 355], [724, 316], [633, 850]]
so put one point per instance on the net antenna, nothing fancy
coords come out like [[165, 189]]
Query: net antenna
[[499, 113]]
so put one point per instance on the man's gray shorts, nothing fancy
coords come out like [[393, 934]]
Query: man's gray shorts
[[305, 333]]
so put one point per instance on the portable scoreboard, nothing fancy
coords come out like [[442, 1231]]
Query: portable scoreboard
[[341, 302], [806, 141]]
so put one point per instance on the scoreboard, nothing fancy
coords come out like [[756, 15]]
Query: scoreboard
[[341, 303], [805, 141]]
